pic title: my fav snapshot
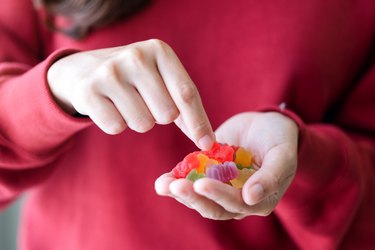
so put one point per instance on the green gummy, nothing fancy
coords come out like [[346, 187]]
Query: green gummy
[[240, 166], [194, 175]]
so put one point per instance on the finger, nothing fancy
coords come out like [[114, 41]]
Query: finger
[[151, 87], [226, 196], [185, 95], [274, 176], [181, 125], [162, 187], [104, 114], [162, 184], [183, 190], [131, 106], [231, 200]]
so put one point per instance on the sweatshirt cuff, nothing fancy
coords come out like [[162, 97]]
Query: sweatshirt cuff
[[55, 115], [322, 160], [38, 123]]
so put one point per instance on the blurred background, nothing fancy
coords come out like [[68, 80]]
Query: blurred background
[[9, 219]]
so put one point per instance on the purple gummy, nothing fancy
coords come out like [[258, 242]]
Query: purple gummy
[[222, 172]]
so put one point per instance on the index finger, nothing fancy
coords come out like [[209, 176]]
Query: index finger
[[186, 97]]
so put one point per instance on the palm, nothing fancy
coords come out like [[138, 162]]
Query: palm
[[260, 133], [273, 140]]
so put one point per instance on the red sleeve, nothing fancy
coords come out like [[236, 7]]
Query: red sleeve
[[331, 201], [33, 129]]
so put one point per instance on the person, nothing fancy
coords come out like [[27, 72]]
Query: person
[[90, 92]]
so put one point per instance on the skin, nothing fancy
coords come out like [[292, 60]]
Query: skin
[[272, 137], [142, 84], [134, 86]]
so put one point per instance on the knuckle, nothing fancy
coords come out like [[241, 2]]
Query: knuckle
[[141, 125], [134, 57], [161, 48], [158, 44], [168, 116], [200, 128], [187, 92], [108, 69], [85, 92], [114, 127]]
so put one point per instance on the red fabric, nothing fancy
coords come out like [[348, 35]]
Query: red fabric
[[89, 190]]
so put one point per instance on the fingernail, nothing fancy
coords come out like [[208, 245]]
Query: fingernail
[[256, 193], [205, 142]]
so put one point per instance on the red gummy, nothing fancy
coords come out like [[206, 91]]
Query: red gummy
[[184, 167], [220, 152]]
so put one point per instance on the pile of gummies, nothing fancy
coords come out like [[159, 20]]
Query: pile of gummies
[[230, 164]]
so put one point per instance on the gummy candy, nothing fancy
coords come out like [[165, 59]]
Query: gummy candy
[[194, 175], [184, 167], [243, 175], [220, 152], [202, 162], [223, 172], [243, 158], [229, 164]]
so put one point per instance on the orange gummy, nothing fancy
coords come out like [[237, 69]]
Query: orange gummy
[[243, 158]]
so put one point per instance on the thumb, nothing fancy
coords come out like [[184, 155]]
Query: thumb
[[274, 176]]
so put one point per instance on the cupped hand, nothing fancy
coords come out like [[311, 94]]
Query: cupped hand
[[133, 86], [272, 138]]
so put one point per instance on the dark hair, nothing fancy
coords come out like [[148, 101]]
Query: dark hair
[[87, 14]]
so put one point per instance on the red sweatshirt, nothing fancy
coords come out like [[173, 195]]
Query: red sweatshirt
[[89, 190]]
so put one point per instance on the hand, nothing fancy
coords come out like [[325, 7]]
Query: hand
[[272, 137], [132, 86]]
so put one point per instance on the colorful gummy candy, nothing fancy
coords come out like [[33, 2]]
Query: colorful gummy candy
[[230, 164]]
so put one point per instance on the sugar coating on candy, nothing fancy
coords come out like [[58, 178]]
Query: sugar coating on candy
[[222, 172], [243, 175], [194, 175], [205, 162], [220, 152], [189, 163], [226, 163], [243, 158]]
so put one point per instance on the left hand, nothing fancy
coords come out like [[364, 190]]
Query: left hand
[[273, 139]]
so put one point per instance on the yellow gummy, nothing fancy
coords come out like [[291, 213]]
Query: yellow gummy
[[243, 158], [243, 175], [204, 162]]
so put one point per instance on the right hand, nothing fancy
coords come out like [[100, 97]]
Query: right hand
[[133, 86]]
